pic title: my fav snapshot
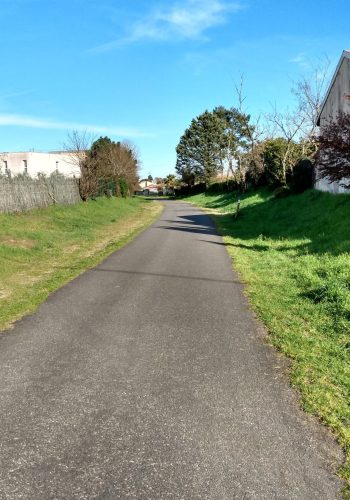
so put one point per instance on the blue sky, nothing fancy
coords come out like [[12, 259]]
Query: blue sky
[[142, 69]]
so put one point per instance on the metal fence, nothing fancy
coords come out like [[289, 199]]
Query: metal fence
[[19, 194]]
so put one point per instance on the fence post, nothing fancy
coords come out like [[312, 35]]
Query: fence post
[[237, 208]]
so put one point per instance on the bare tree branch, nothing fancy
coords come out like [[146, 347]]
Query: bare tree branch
[[309, 91]]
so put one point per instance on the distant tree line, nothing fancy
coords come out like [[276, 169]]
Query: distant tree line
[[223, 140], [279, 149]]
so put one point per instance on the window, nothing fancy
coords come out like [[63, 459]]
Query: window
[[56, 166], [5, 165], [25, 165]]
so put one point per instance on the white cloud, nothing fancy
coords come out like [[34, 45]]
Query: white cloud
[[301, 60], [189, 19], [42, 123]]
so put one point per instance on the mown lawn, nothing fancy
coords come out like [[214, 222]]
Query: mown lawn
[[294, 256], [42, 249]]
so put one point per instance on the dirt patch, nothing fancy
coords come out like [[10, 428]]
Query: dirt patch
[[24, 279], [18, 243], [4, 294], [119, 230], [71, 248]]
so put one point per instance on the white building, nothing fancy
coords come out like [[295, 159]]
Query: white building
[[337, 100], [148, 187], [32, 163]]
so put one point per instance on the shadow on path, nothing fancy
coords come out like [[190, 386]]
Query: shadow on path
[[161, 275]]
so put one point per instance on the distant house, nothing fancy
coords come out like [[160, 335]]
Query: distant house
[[337, 100], [32, 163], [148, 187]]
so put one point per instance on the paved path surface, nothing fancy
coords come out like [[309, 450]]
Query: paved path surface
[[147, 378]]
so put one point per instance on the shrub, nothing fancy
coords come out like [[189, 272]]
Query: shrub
[[280, 156], [282, 192], [227, 186], [302, 178], [273, 161], [191, 190], [123, 187]]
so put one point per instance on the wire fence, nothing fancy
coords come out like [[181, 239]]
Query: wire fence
[[20, 194]]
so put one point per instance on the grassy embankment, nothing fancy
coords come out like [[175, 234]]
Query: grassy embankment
[[294, 255], [42, 249]]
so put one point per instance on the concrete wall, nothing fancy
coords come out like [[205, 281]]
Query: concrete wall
[[35, 163]]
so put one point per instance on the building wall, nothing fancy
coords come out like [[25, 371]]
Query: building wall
[[330, 187], [338, 100], [339, 95], [33, 163]]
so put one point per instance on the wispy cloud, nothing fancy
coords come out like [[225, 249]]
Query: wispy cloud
[[42, 123], [189, 19], [301, 60], [5, 99], [20, 93]]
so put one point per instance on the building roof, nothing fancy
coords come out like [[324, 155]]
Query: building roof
[[345, 55]]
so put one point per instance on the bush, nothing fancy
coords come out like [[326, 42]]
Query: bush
[[302, 178], [105, 188], [191, 190], [224, 187], [273, 154], [123, 187], [282, 192]]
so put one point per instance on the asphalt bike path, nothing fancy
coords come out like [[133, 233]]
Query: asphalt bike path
[[148, 377]]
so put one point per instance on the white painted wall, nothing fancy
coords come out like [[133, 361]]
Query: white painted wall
[[45, 163]]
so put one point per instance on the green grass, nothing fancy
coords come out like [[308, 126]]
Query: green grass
[[294, 256], [42, 249]]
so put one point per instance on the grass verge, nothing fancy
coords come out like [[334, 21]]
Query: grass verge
[[293, 255], [43, 249]]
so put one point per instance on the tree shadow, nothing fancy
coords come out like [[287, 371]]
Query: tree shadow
[[318, 222], [258, 248], [187, 229], [193, 223]]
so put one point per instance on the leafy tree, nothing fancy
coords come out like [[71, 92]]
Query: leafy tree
[[199, 155], [333, 157], [99, 146], [108, 167], [213, 139], [170, 180], [236, 135]]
